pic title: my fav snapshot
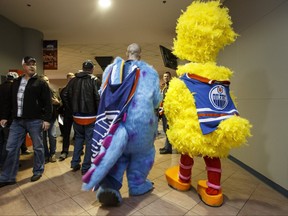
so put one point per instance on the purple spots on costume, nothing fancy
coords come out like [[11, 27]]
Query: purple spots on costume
[[86, 178], [133, 103], [144, 73], [151, 121], [98, 158], [107, 141], [138, 179], [124, 117], [132, 136], [113, 128]]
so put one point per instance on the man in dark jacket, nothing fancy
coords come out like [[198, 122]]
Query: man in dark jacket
[[167, 149], [31, 112], [67, 121], [82, 98], [5, 96]]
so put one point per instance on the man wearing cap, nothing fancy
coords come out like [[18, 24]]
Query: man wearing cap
[[31, 111], [82, 98]]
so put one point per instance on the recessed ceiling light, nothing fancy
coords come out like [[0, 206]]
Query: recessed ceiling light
[[104, 3]]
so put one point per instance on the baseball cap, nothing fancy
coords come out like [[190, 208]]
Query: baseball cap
[[88, 64], [11, 75], [28, 59]]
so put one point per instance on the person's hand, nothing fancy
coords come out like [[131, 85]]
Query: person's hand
[[3, 122], [45, 125]]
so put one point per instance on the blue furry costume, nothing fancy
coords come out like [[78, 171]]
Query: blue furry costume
[[126, 130]]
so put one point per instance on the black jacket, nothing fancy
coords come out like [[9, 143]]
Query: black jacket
[[37, 99], [81, 94], [5, 100]]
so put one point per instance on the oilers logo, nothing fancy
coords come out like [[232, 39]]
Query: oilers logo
[[218, 97]]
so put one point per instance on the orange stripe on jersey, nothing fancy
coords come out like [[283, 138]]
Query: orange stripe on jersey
[[134, 85], [213, 114], [121, 75], [84, 121], [205, 80]]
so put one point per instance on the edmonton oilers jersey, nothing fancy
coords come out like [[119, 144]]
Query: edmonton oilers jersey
[[113, 105], [212, 99]]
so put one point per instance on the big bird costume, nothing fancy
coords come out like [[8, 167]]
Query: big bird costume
[[203, 120]]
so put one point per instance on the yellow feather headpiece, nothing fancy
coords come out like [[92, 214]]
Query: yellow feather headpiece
[[202, 31]]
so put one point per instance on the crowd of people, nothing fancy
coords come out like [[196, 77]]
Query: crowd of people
[[30, 106]]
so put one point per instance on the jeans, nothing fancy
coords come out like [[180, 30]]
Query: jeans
[[4, 133], [51, 133], [17, 135], [83, 133], [167, 145]]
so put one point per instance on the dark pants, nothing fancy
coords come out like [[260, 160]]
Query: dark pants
[[83, 134], [167, 145], [67, 125], [52, 137], [4, 132]]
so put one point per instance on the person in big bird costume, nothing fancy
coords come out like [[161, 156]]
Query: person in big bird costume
[[203, 119]]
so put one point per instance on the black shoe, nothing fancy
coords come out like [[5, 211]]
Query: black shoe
[[76, 168], [165, 151], [3, 184], [35, 178], [63, 156], [108, 198], [46, 160], [161, 149]]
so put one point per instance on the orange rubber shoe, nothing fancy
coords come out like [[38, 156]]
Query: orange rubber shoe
[[210, 200], [172, 178]]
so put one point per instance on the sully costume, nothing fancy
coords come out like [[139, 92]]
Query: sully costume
[[125, 131]]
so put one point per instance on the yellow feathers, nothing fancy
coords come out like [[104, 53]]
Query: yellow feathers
[[184, 129], [208, 70], [202, 31]]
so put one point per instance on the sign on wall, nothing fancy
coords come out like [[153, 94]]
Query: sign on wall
[[50, 61]]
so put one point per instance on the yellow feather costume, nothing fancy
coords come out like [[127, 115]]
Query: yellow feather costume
[[202, 31]]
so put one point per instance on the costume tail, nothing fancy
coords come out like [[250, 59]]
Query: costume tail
[[112, 148]]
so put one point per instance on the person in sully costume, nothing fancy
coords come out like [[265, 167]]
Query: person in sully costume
[[202, 117], [125, 129]]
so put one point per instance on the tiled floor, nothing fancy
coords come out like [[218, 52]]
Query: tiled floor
[[58, 192]]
